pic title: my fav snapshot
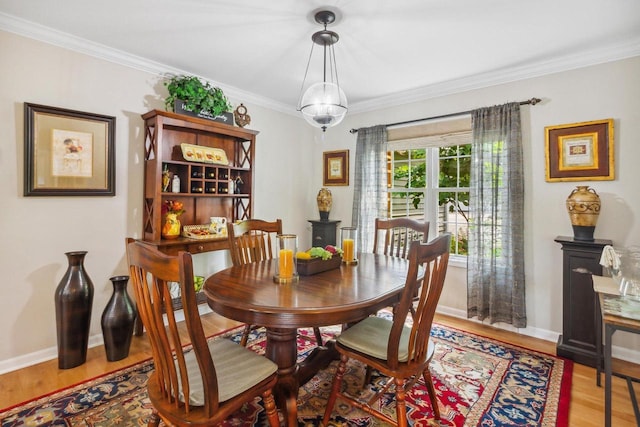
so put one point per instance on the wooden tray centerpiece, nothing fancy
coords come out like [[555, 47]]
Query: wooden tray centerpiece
[[308, 267]]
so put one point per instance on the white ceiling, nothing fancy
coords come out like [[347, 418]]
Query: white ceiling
[[389, 51]]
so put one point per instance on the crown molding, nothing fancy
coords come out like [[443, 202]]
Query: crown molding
[[600, 55], [54, 37], [595, 56]]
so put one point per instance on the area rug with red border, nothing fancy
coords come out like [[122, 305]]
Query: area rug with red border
[[479, 382]]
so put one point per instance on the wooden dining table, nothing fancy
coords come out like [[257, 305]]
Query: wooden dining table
[[339, 296]]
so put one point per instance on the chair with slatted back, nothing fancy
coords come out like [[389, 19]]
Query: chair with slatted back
[[399, 349], [253, 240], [202, 385], [394, 236]]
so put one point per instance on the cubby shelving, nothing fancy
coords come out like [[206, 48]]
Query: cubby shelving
[[206, 189]]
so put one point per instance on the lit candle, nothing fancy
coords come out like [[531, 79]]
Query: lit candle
[[347, 249], [285, 263]]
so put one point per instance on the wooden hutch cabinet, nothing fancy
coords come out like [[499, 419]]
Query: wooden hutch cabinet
[[206, 189]]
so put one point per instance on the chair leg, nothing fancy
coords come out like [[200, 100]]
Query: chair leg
[[270, 408], [154, 419], [428, 381], [245, 335], [335, 389], [318, 335], [367, 376], [401, 404]]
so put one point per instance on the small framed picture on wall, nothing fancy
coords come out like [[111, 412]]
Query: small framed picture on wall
[[336, 167], [68, 152], [580, 151]]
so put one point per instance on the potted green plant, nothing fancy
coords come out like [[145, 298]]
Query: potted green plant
[[190, 95]]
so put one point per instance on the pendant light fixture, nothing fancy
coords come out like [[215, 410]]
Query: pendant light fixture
[[324, 104]]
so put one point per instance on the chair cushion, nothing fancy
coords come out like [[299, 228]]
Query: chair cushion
[[237, 368], [371, 336]]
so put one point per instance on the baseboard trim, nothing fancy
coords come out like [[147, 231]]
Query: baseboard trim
[[44, 355], [50, 353], [622, 353], [528, 331]]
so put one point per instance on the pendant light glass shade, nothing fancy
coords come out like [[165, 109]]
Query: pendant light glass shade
[[323, 105]]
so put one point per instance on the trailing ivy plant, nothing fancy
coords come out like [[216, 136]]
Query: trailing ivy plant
[[198, 97]]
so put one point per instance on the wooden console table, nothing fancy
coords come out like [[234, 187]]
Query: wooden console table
[[618, 314]]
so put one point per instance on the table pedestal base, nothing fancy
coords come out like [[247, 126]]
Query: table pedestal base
[[282, 348]]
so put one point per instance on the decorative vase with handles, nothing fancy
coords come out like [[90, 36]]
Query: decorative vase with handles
[[73, 299], [171, 227], [324, 200], [583, 206], [117, 320]]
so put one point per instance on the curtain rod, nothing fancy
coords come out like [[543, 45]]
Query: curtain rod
[[532, 101]]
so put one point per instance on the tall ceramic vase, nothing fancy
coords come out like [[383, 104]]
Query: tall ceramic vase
[[73, 299], [583, 206], [117, 321], [324, 200]]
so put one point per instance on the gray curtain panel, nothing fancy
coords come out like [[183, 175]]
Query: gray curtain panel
[[370, 183], [495, 275]]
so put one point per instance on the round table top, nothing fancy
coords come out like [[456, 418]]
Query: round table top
[[346, 294]]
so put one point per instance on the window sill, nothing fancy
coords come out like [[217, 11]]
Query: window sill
[[459, 261]]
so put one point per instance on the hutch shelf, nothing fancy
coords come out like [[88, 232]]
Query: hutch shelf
[[206, 189]]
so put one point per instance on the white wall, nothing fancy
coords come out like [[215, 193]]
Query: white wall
[[36, 231], [609, 90]]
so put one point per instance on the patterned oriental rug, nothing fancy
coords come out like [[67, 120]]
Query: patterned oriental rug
[[479, 382]]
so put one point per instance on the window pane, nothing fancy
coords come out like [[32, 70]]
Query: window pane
[[465, 171], [453, 219], [409, 204], [446, 203]]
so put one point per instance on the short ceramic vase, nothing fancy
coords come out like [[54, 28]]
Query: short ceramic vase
[[171, 227], [583, 206], [324, 200]]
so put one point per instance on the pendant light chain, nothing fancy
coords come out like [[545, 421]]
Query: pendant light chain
[[304, 79], [332, 59]]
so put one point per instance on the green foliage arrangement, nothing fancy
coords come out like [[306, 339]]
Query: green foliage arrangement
[[198, 97], [449, 168]]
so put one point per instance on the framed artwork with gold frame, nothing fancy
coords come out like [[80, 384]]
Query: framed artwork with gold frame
[[580, 151], [68, 153], [336, 167]]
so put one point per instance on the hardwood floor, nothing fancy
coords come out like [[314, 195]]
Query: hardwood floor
[[586, 407]]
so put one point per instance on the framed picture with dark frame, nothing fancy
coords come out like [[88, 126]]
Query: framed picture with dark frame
[[580, 151], [335, 167], [68, 153]]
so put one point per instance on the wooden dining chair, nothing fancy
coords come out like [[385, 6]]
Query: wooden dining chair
[[394, 236], [399, 351], [254, 240], [212, 379]]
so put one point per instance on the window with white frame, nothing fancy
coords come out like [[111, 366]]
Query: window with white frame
[[428, 178]]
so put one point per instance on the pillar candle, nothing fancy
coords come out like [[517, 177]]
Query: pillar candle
[[285, 263], [347, 249]]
